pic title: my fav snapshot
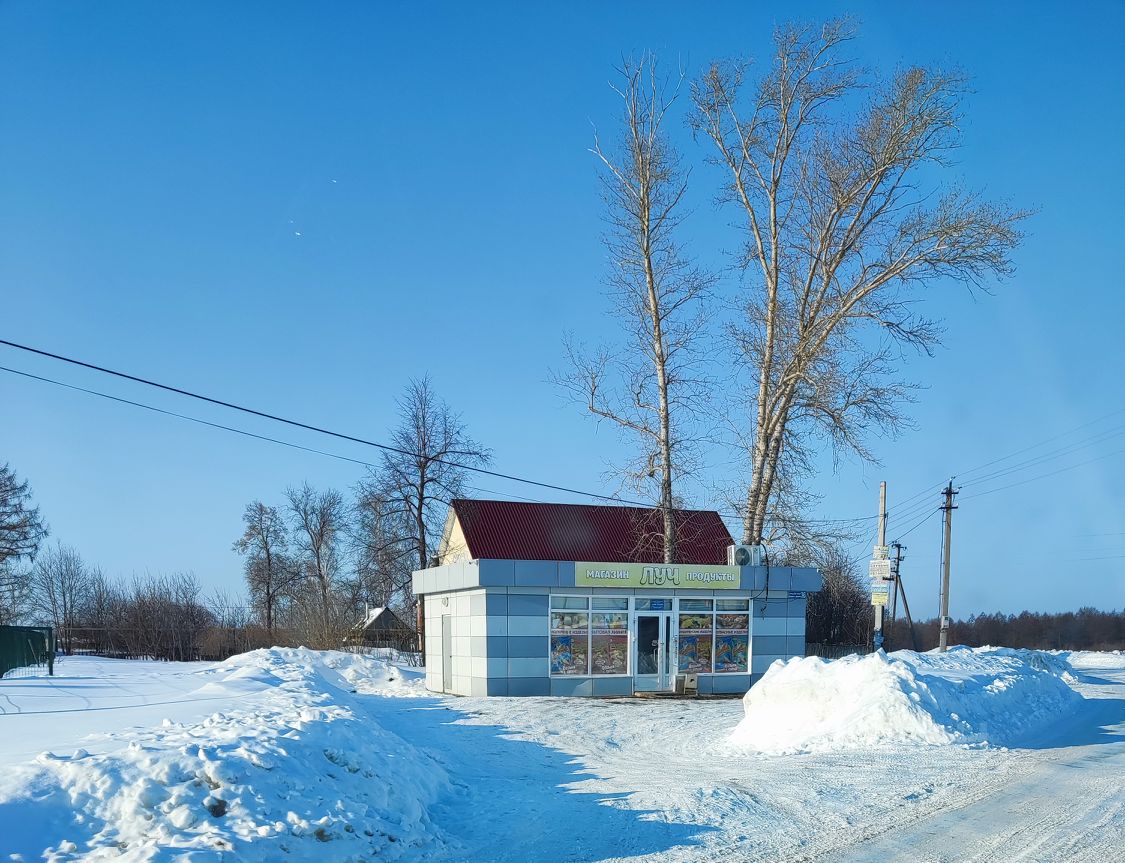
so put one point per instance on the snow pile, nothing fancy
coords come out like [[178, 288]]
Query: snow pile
[[375, 673], [297, 763], [984, 695]]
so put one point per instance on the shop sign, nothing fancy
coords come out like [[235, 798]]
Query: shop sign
[[666, 575]]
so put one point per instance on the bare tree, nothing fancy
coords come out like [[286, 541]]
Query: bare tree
[[270, 574], [418, 480], [650, 386], [102, 616], [403, 505], [318, 519], [233, 630], [21, 532], [21, 528], [164, 617], [15, 594], [840, 612], [846, 227], [60, 585], [385, 553]]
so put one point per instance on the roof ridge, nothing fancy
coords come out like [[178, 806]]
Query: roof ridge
[[653, 508], [537, 530]]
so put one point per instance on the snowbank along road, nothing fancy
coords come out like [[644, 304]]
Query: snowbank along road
[[295, 755]]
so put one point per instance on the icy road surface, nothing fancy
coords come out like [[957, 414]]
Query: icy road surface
[[331, 758]]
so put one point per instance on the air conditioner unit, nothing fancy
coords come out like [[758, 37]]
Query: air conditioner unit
[[745, 555]]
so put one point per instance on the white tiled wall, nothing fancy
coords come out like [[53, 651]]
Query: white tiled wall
[[464, 624]]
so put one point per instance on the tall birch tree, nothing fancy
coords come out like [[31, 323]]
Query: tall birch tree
[[650, 384], [839, 179]]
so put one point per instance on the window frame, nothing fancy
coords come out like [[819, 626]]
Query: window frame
[[632, 611]]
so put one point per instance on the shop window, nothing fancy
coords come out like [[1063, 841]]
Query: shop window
[[696, 604], [732, 643], [609, 643], [611, 603], [696, 640], [570, 602], [732, 604], [590, 643], [570, 642]]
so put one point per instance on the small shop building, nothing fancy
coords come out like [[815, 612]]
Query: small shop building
[[568, 599]]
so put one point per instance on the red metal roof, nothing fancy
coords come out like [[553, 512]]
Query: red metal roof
[[511, 530]]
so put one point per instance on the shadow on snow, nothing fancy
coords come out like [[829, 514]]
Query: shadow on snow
[[1096, 721], [511, 801]]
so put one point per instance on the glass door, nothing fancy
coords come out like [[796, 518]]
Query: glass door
[[652, 656]]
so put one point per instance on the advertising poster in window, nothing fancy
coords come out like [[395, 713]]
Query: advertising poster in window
[[570, 637], [609, 643], [695, 643], [732, 642]]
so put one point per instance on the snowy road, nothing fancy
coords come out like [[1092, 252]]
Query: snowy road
[[1068, 805], [324, 757], [1062, 800]]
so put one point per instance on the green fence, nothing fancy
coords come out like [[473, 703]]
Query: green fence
[[26, 647]]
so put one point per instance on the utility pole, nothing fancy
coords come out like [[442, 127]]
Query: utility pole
[[895, 561], [879, 570], [900, 588], [947, 507]]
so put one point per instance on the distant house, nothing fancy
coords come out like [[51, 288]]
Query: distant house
[[380, 628]]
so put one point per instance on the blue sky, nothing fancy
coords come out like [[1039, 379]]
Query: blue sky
[[300, 207]]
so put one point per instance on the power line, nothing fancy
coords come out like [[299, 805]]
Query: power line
[[308, 427], [185, 417], [1101, 437], [1045, 475], [918, 524], [926, 490], [1041, 443], [1041, 459], [908, 513]]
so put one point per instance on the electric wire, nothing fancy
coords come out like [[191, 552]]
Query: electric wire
[[317, 429], [1045, 475], [1029, 448], [1109, 434], [917, 524], [186, 417], [910, 512], [309, 427], [222, 427], [967, 478], [907, 508]]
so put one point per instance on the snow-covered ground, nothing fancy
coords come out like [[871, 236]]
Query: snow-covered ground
[[294, 755]]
